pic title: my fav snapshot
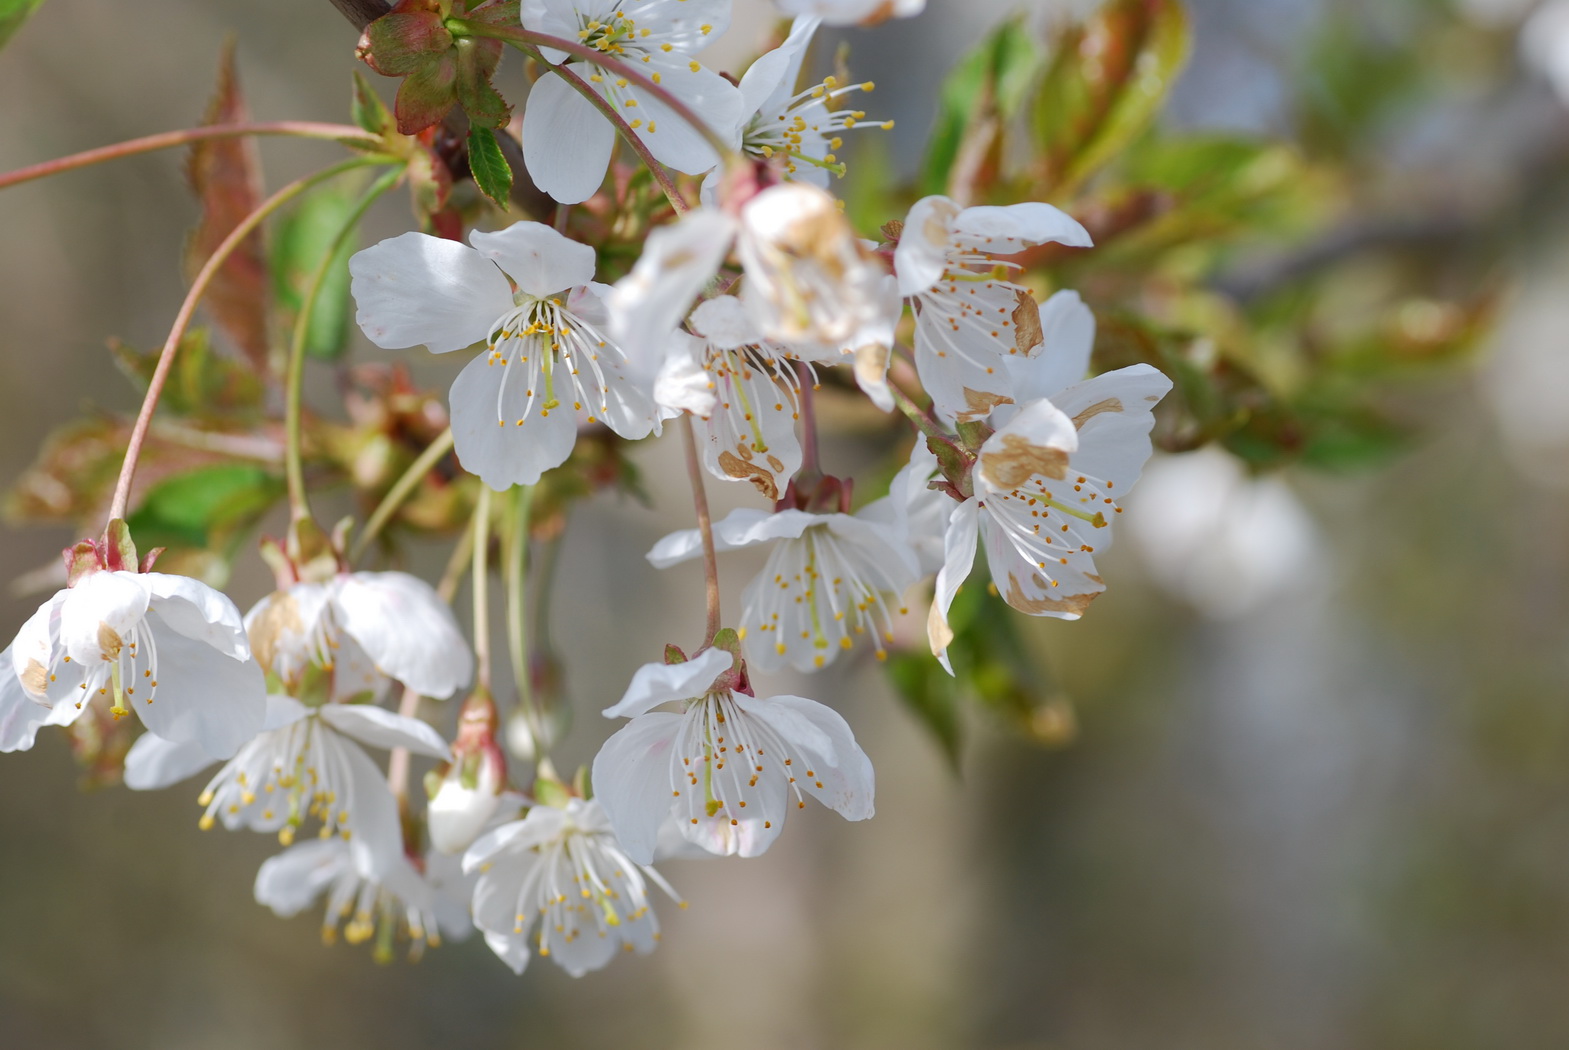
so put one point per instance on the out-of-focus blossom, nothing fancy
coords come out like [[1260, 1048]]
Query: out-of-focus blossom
[[528, 292], [562, 868], [853, 12], [363, 628], [1544, 41], [567, 142], [1223, 542], [728, 766], [169, 648]]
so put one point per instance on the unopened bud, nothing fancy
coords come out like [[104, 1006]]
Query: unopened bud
[[463, 794]]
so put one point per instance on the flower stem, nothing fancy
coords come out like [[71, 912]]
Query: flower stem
[[133, 446], [705, 527], [917, 415], [479, 582], [810, 467], [294, 467], [344, 133], [398, 757], [400, 492]]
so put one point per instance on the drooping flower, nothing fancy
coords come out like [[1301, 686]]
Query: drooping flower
[[567, 142], [169, 648], [306, 767], [830, 579], [391, 906], [807, 279], [1046, 486], [799, 128], [362, 628], [563, 869], [528, 292], [970, 321], [728, 766], [852, 12], [468, 788]]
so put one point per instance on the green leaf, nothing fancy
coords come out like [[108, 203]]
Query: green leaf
[[302, 239], [985, 88], [1106, 84], [492, 173], [368, 110], [203, 382], [204, 507], [12, 14], [932, 696]]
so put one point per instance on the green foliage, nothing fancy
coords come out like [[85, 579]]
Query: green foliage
[[202, 382], [986, 88], [12, 14], [302, 239], [206, 507], [492, 173]]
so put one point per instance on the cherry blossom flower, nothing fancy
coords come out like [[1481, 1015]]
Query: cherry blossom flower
[[797, 127], [852, 12], [528, 292], [562, 868], [728, 766], [169, 648], [1046, 486], [306, 766], [829, 580], [396, 899], [807, 279], [567, 142], [363, 628], [969, 322]]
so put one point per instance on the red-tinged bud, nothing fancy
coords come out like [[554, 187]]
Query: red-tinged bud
[[463, 794], [114, 551], [439, 65]]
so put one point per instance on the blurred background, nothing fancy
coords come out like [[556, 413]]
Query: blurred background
[[1299, 781]]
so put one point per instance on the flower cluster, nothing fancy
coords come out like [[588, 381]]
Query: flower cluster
[[748, 295]]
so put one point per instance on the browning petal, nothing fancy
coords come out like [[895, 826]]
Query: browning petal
[[1019, 461]]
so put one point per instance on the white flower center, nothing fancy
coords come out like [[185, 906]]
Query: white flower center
[[283, 778], [805, 129], [721, 756], [582, 886], [546, 347], [1048, 520], [126, 668]]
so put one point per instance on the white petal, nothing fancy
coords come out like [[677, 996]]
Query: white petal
[[377, 842], [742, 527], [541, 825], [487, 438], [1007, 229], [566, 141], [710, 97], [682, 384], [154, 762], [1039, 440], [541, 261], [21, 715], [770, 81], [723, 321], [115, 601], [656, 684], [510, 949], [632, 780], [1063, 358], [922, 253], [289, 882], [836, 770], [406, 629], [199, 612], [1113, 413], [677, 261], [958, 560], [379, 727], [203, 696], [415, 288]]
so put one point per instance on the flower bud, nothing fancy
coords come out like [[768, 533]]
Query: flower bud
[[463, 794]]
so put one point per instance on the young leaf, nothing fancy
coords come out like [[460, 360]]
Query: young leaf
[[204, 508], [1105, 85], [226, 175], [368, 110], [302, 239], [982, 92], [12, 14], [492, 173]]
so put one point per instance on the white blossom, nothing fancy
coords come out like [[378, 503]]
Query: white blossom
[[563, 869], [567, 141], [830, 579], [969, 321], [852, 12], [528, 292], [169, 648], [729, 767]]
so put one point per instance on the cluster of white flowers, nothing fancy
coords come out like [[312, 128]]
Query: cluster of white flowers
[[730, 316]]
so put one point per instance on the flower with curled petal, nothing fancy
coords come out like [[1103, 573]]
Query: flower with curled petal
[[970, 320], [362, 628], [567, 142], [528, 293], [728, 766], [169, 648], [563, 869]]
